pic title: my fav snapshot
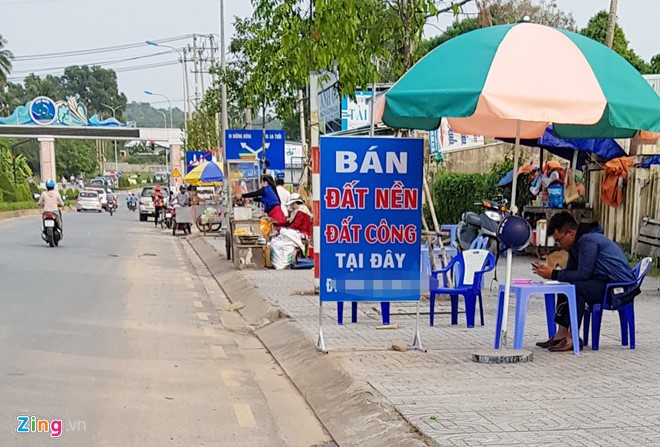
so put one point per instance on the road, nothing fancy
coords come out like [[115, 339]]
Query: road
[[123, 335]]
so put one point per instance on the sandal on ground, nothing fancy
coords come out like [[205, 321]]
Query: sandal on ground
[[551, 342], [563, 347]]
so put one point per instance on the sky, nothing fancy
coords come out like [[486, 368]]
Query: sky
[[38, 27]]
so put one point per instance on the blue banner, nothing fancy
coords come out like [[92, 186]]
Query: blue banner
[[246, 144], [371, 208], [194, 158]]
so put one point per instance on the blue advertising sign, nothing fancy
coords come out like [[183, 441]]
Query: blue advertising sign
[[194, 158], [371, 209], [246, 143], [434, 142]]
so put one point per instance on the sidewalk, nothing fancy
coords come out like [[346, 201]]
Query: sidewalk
[[605, 398]]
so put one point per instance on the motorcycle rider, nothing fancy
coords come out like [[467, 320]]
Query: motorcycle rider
[[131, 200], [51, 201], [112, 200]]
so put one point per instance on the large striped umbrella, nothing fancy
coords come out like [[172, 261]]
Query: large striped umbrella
[[490, 80], [206, 174], [513, 81]]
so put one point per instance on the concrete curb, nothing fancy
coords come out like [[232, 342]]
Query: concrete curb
[[354, 413], [4, 215]]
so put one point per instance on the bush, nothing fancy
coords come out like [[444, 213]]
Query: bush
[[123, 182], [16, 206], [455, 194]]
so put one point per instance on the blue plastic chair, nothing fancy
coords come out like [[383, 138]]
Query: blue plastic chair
[[479, 243], [626, 312], [467, 269]]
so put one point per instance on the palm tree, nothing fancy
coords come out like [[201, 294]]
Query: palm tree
[[5, 61]]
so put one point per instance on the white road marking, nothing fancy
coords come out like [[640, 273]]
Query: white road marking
[[244, 415]]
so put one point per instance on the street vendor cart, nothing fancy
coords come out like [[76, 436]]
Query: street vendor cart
[[244, 241]]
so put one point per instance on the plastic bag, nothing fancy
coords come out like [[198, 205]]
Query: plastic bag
[[282, 252]]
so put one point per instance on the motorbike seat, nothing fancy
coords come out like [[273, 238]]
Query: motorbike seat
[[473, 219]]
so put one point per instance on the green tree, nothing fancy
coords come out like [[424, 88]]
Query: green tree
[[74, 157], [453, 30], [145, 115], [596, 29], [655, 64], [96, 86], [542, 12], [5, 61]]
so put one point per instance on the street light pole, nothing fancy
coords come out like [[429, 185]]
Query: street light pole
[[184, 65], [114, 110], [169, 103], [223, 86]]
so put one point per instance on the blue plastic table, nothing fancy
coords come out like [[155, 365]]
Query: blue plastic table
[[522, 293]]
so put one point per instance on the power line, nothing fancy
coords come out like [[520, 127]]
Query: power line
[[118, 70], [98, 50], [112, 62]]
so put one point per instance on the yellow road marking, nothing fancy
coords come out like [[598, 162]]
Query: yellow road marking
[[218, 352], [229, 379], [198, 304], [209, 332], [202, 316], [244, 415]]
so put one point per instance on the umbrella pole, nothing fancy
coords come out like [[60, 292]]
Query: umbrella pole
[[509, 252]]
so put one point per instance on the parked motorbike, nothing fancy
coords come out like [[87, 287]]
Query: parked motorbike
[[473, 225], [166, 219], [51, 231]]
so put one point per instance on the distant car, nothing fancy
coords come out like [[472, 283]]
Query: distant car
[[160, 176], [98, 181], [102, 195], [89, 200], [146, 204]]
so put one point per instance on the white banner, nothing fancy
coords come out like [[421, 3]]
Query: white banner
[[452, 141]]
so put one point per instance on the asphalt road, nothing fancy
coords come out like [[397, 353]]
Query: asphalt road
[[122, 335]]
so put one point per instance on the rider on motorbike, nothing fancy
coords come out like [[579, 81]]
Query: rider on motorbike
[[183, 198], [112, 200], [51, 201]]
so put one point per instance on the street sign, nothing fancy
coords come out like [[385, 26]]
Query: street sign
[[194, 158], [371, 205], [176, 173], [246, 144]]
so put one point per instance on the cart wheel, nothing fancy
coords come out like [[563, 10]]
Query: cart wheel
[[173, 228], [228, 246]]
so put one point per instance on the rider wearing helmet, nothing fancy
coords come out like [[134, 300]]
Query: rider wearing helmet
[[183, 198], [51, 201], [158, 201]]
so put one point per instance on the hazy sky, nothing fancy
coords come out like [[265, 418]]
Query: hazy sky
[[36, 27]]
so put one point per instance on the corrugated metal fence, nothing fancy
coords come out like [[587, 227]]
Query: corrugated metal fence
[[642, 199]]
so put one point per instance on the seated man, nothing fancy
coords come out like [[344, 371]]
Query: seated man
[[593, 262]]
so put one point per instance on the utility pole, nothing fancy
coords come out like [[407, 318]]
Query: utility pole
[[214, 80], [187, 86], [197, 70], [611, 24], [223, 88]]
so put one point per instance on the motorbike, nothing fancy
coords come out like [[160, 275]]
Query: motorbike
[[51, 231], [166, 218], [112, 207], [132, 206], [473, 225]]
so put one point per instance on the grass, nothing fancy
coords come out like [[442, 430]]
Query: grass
[[17, 206]]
